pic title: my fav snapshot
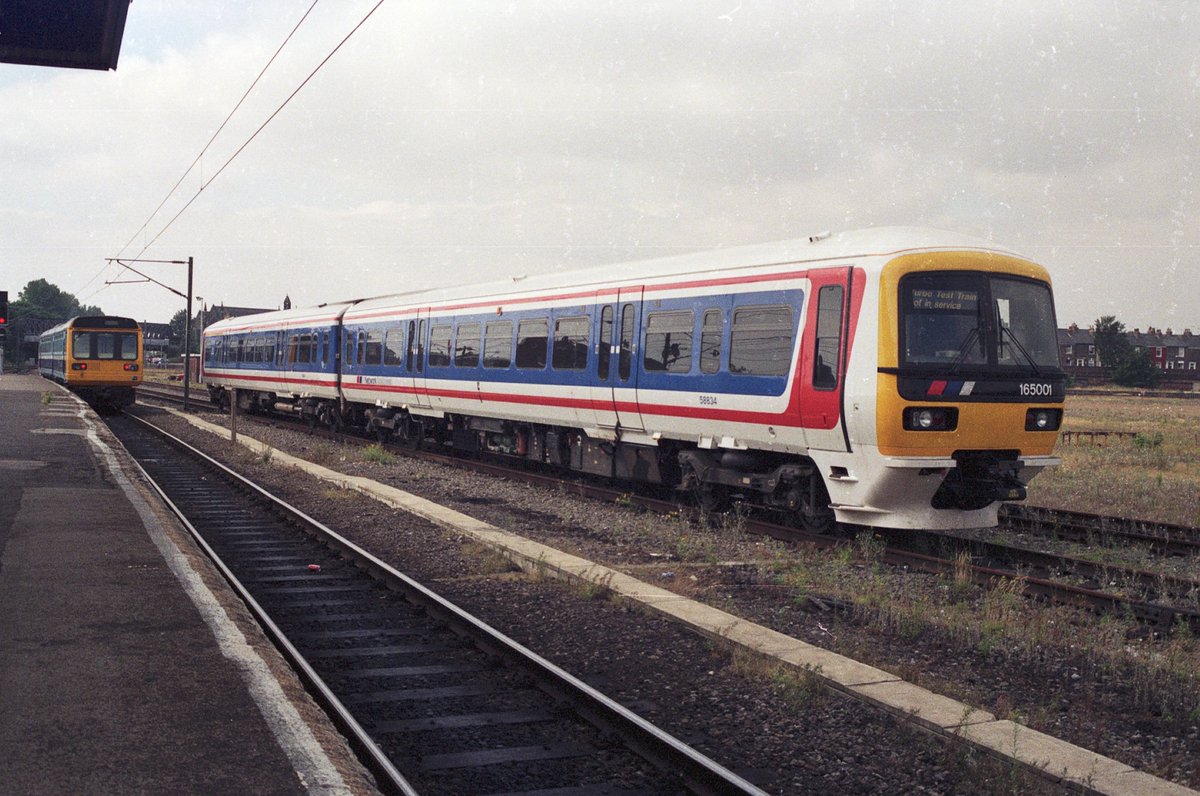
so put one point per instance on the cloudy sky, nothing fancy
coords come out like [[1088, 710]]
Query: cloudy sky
[[447, 142]]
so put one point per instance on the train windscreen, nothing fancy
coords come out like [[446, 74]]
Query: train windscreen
[[976, 320]]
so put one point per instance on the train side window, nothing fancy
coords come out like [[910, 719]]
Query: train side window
[[393, 346], [466, 346], [710, 340], [498, 344], [669, 341], [374, 346], [604, 353], [829, 337], [532, 337], [269, 349], [362, 346], [571, 343], [412, 344], [439, 345], [625, 358], [761, 340]]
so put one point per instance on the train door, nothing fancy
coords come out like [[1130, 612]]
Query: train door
[[414, 357], [823, 357], [616, 371]]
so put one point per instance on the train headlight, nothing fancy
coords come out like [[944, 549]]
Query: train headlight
[[930, 418], [1043, 419]]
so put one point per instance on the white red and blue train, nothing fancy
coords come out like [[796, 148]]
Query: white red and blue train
[[892, 377]]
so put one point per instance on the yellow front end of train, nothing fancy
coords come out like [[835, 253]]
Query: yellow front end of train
[[100, 358], [969, 390]]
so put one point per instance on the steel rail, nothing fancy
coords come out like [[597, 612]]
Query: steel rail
[[701, 774]]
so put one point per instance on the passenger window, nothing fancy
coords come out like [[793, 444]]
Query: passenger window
[[466, 346], [393, 346], [412, 344], [531, 343], [571, 343], [829, 337], [604, 355], [710, 341], [761, 341], [375, 346], [669, 342], [439, 345], [498, 344]]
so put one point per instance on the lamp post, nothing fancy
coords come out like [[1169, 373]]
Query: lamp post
[[187, 318]]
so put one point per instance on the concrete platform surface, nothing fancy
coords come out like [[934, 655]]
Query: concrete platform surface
[[126, 666]]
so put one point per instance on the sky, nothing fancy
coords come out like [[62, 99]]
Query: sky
[[452, 142]]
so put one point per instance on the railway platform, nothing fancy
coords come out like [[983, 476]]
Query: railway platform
[[126, 666]]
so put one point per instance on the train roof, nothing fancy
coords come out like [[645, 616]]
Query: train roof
[[879, 242], [95, 322]]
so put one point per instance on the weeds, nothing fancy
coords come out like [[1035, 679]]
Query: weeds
[[377, 454]]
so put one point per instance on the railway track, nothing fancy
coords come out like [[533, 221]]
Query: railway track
[[434, 700], [1076, 526], [1158, 600]]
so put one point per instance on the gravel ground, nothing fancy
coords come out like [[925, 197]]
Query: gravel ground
[[783, 731]]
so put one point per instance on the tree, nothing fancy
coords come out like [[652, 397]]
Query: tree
[[1127, 366], [39, 306], [1112, 346], [1137, 370]]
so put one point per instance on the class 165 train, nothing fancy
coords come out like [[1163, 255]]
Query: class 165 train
[[893, 377], [98, 357]]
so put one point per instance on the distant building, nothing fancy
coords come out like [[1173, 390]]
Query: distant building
[[220, 312], [156, 336], [1177, 355]]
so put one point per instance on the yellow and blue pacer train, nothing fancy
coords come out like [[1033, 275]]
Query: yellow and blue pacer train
[[98, 357], [890, 377]]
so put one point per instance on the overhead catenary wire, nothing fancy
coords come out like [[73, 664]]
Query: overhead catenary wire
[[201, 154], [244, 144]]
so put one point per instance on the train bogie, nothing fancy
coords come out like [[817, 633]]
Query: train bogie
[[890, 377]]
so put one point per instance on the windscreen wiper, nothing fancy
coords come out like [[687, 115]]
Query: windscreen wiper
[[965, 348], [1005, 330]]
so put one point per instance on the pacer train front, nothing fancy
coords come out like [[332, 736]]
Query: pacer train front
[[967, 397]]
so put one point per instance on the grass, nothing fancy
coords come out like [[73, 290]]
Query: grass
[[377, 454], [1155, 475]]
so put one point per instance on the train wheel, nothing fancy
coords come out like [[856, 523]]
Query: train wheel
[[382, 434], [814, 513]]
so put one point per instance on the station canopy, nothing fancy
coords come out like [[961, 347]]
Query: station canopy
[[79, 34]]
